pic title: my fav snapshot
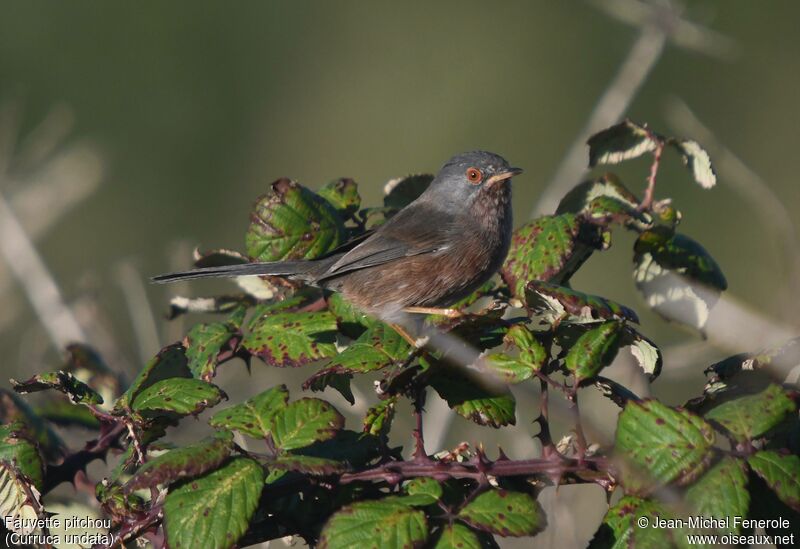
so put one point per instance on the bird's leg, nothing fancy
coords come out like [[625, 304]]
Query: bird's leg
[[415, 343], [449, 313]]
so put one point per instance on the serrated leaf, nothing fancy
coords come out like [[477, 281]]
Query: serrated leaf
[[750, 416], [204, 343], [178, 395], [457, 536], [399, 193], [721, 492], [545, 249], [293, 223], [343, 195], [677, 277], [304, 422], [621, 527], [88, 366], [620, 142], [214, 511], [532, 356], [355, 448], [781, 472], [378, 419], [556, 303], [375, 524], [504, 513], [170, 362], [349, 319], [326, 378], [252, 417], [292, 339], [531, 350], [697, 160], [594, 350], [658, 444], [18, 511], [21, 452], [424, 486], [605, 200], [646, 353], [474, 402], [187, 462], [380, 346], [309, 465], [65, 382]]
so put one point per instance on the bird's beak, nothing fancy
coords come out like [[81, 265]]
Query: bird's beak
[[502, 176]]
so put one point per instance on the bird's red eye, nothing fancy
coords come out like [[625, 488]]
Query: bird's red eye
[[474, 175]]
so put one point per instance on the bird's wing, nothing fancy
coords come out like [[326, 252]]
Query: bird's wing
[[407, 234]]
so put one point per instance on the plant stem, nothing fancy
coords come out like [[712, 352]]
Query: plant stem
[[647, 202]]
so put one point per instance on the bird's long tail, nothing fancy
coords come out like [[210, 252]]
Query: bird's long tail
[[294, 269]]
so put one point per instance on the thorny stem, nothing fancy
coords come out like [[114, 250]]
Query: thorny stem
[[548, 448], [419, 440], [580, 438], [647, 202]]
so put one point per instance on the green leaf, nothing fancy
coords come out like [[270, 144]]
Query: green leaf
[[509, 369], [646, 353], [293, 223], [375, 524], [545, 249], [617, 393], [61, 412], [214, 511], [343, 196], [474, 402], [326, 378], [662, 444], [400, 192], [380, 346], [351, 321], [457, 536], [781, 472], [721, 492], [677, 277], [187, 462], [170, 362], [594, 350], [605, 200], [292, 339], [697, 160], [620, 142], [308, 465], [304, 422], [504, 513], [21, 452], [180, 396], [621, 526], [750, 416], [65, 382], [204, 343], [424, 486], [28, 424], [557, 304], [378, 419], [253, 416], [17, 509]]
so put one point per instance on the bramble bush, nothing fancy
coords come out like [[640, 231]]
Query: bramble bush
[[732, 451]]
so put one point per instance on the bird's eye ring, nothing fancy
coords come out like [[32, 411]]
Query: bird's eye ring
[[474, 176]]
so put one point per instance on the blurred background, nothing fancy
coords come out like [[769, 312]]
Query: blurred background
[[132, 133]]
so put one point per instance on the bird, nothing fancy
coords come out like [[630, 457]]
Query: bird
[[433, 252]]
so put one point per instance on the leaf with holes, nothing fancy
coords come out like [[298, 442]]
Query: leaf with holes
[[179, 396], [204, 343], [252, 417], [697, 160], [781, 472], [474, 402], [546, 249], [555, 304], [293, 223], [721, 492], [594, 350], [187, 462], [657, 444], [292, 339], [214, 511], [620, 142], [677, 277], [375, 524], [170, 362], [304, 422], [750, 416], [21, 452], [622, 528], [65, 382], [342, 195], [504, 513]]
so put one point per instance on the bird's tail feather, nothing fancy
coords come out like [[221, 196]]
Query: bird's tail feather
[[294, 269]]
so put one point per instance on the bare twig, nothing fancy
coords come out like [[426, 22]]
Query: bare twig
[[142, 319]]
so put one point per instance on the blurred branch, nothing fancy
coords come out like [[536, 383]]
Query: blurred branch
[[144, 324], [658, 23]]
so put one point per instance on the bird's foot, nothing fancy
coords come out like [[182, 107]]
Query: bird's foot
[[449, 313]]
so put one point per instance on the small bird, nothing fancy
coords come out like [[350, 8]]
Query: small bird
[[438, 249]]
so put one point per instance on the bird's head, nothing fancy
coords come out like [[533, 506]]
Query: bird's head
[[468, 176]]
